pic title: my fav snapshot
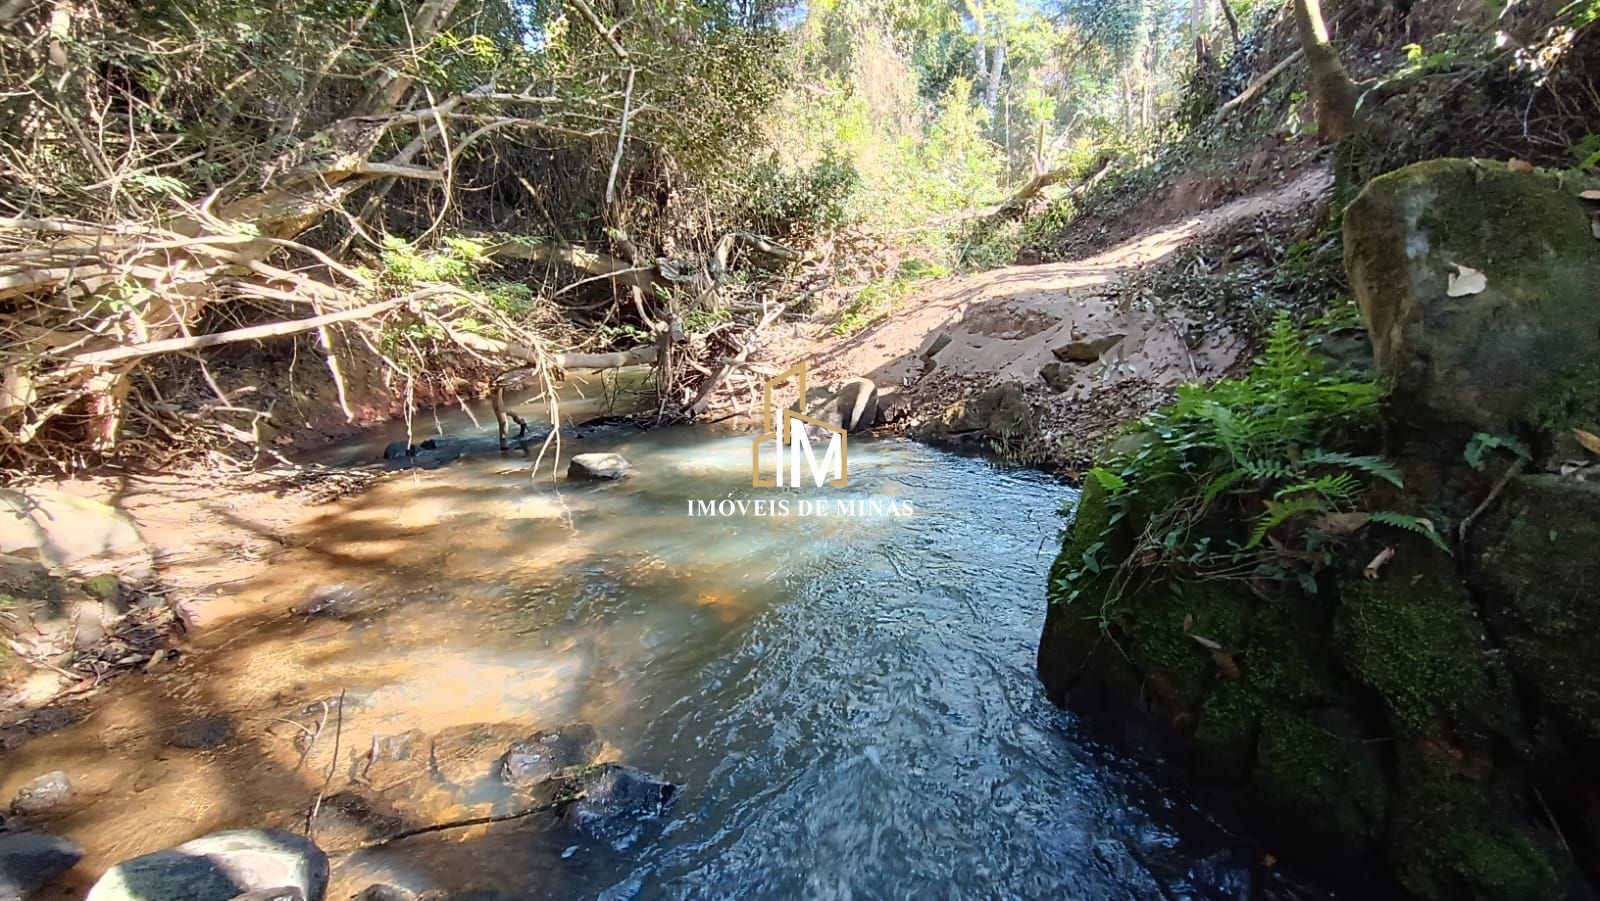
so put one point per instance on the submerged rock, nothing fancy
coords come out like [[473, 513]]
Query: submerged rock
[[597, 467], [399, 759], [466, 755], [616, 798], [1478, 286], [30, 861], [220, 867], [430, 454], [42, 793], [547, 753], [201, 734]]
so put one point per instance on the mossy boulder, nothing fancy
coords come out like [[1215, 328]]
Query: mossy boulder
[[1455, 834], [1514, 349], [1361, 724]]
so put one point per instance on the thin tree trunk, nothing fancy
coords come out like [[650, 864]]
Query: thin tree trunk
[[996, 71], [1331, 88], [1233, 20]]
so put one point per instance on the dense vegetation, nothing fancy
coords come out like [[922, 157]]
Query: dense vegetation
[[461, 186]]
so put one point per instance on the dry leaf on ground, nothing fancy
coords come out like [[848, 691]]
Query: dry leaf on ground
[[1465, 281], [1589, 440]]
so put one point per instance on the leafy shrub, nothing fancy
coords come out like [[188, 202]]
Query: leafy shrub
[[810, 202], [1244, 478], [879, 298]]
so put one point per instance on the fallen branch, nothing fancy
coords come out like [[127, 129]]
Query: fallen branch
[[1255, 87], [596, 264], [1499, 486], [636, 356], [100, 358]]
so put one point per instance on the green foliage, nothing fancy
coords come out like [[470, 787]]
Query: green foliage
[[1483, 442], [877, 299], [805, 203], [405, 265], [1587, 151], [1233, 479]]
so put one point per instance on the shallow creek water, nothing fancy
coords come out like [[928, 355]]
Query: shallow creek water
[[849, 702]]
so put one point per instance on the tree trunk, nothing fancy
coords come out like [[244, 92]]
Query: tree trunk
[[1332, 90], [996, 70], [1233, 20]]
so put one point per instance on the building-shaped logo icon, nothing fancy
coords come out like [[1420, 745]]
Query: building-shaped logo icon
[[792, 436]]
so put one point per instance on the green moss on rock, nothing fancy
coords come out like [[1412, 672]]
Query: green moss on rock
[[1519, 352], [1457, 837], [1412, 636], [1323, 768], [105, 587], [1225, 739], [1535, 571]]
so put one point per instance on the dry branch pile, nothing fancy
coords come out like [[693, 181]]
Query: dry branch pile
[[167, 191]]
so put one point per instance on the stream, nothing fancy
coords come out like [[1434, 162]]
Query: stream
[[848, 702]]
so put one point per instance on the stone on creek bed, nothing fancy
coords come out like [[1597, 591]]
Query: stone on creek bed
[[432, 453], [545, 754], [597, 467], [203, 733], [616, 798], [220, 867], [42, 793], [30, 861]]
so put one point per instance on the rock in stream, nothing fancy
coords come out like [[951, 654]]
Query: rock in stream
[[30, 861], [220, 867]]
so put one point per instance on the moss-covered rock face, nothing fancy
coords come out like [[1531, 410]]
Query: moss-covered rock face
[[1536, 567], [1413, 637], [1440, 712], [1363, 723], [1451, 836], [1517, 352]]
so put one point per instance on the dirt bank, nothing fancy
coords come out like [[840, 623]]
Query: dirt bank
[[1093, 342]]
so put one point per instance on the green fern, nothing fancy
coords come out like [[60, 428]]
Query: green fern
[[1412, 524], [1377, 467], [1236, 451]]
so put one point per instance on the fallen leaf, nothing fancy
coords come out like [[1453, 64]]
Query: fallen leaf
[[1589, 440], [1465, 281], [1589, 195], [1227, 666], [1384, 556], [1516, 165], [1206, 643]]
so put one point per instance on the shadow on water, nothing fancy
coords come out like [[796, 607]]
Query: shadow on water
[[849, 702]]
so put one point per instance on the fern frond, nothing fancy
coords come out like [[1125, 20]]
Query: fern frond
[[1279, 512], [1377, 467], [1413, 524]]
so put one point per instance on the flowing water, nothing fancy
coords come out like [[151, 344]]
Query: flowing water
[[849, 702]]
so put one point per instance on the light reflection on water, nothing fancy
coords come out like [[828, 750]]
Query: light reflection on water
[[850, 703]]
